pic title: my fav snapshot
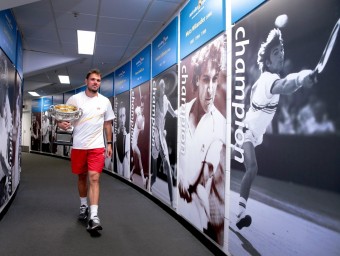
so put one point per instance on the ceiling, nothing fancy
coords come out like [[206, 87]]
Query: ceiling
[[48, 28]]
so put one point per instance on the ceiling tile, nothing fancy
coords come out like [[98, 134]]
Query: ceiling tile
[[68, 35], [107, 52], [32, 16], [160, 11], [125, 9], [139, 41], [45, 46], [80, 6], [45, 33], [110, 39], [80, 21], [149, 29], [114, 25]]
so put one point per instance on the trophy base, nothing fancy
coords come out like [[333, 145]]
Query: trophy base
[[63, 137]]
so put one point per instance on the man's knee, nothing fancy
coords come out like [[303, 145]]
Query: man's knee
[[94, 177]]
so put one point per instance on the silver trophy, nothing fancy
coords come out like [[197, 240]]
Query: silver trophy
[[63, 112]]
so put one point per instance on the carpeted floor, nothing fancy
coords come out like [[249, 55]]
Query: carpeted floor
[[42, 219]]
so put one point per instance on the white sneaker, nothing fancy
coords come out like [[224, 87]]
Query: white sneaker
[[94, 224]]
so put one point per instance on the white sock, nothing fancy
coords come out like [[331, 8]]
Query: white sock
[[83, 201], [94, 211], [242, 206]]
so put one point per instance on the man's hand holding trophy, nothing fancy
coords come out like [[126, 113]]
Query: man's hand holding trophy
[[64, 115]]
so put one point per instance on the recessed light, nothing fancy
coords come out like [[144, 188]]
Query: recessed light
[[34, 93], [64, 79], [86, 41]]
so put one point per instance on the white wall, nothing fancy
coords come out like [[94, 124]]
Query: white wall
[[26, 124]]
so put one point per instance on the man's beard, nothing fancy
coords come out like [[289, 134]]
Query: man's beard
[[92, 90]]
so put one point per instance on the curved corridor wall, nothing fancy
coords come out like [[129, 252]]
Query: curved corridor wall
[[196, 168], [10, 107]]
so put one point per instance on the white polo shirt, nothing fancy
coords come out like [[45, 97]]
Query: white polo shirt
[[88, 129]]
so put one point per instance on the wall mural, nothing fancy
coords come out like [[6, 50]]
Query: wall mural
[[163, 180], [262, 180], [285, 130], [10, 113], [202, 138], [140, 134]]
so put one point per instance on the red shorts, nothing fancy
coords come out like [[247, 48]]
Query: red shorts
[[84, 160]]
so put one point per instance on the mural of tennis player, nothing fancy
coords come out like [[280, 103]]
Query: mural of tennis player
[[122, 145], [202, 154], [6, 128], [264, 99], [162, 107], [138, 128]]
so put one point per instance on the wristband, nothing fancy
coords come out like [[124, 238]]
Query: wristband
[[109, 142]]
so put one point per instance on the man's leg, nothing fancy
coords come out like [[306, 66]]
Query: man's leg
[[82, 184], [82, 189], [250, 164], [138, 160], [94, 223], [94, 187], [168, 170]]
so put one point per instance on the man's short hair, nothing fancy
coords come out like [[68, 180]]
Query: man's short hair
[[274, 38], [93, 71], [121, 105], [158, 88], [211, 52]]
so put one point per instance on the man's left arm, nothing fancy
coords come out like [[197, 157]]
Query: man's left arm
[[108, 134]]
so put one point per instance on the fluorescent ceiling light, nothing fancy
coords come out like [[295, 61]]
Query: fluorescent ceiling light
[[64, 79], [86, 41], [34, 93]]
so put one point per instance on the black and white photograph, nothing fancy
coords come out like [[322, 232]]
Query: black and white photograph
[[122, 133], [140, 134], [17, 125], [36, 131], [7, 80], [285, 130], [56, 148], [109, 165], [46, 133], [202, 138], [164, 136]]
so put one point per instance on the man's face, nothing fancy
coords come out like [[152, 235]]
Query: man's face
[[207, 84], [121, 117], [276, 59], [93, 82], [142, 107], [162, 87]]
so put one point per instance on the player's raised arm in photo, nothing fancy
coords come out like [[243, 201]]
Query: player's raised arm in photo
[[293, 82]]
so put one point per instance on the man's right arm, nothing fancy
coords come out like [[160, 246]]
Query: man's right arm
[[293, 82]]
